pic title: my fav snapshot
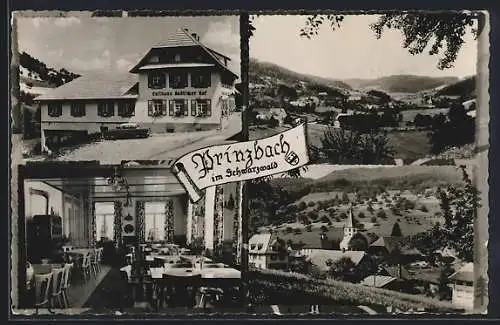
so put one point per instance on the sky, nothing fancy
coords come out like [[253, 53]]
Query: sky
[[82, 44], [351, 51]]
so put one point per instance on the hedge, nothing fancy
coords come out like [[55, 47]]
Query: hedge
[[272, 286]]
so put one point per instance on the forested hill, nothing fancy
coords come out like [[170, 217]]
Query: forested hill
[[258, 70], [402, 83], [38, 72], [465, 88]]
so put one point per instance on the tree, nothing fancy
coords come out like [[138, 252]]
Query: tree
[[381, 214], [444, 289], [444, 30], [458, 130], [341, 268], [358, 242], [340, 146], [396, 230], [230, 202], [459, 205], [345, 198]]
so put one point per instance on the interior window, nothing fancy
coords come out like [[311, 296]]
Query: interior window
[[105, 215], [154, 221]]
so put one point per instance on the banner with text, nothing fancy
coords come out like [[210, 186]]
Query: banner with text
[[242, 161]]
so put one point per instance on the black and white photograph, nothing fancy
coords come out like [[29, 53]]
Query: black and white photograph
[[390, 215], [119, 239], [284, 164], [393, 89], [383, 240], [118, 88]]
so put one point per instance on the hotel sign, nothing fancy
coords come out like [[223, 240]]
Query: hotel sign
[[180, 93], [242, 161]]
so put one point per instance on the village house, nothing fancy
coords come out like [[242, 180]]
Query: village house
[[179, 85], [266, 252], [266, 114], [462, 287]]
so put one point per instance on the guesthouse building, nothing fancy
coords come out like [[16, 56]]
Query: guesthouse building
[[177, 86]]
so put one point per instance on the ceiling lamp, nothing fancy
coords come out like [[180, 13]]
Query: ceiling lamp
[[117, 181]]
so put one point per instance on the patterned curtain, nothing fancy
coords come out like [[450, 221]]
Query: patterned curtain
[[140, 222], [169, 221], [117, 224], [219, 221], [93, 234], [237, 235]]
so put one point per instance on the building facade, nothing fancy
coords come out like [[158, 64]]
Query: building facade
[[462, 285], [265, 252], [179, 85]]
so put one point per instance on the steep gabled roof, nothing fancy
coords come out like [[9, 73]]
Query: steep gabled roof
[[182, 38], [389, 242], [378, 281], [259, 243], [394, 271], [319, 257], [465, 273]]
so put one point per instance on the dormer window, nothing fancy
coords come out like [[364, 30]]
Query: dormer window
[[260, 246], [156, 80], [252, 247]]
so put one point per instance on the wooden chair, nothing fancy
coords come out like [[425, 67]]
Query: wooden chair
[[68, 269], [57, 298], [86, 267], [210, 296], [94, 261], [99, 258], [42, 290]]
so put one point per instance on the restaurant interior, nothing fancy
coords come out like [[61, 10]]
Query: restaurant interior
[[117, 237]]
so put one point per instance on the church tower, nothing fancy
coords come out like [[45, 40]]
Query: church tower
[[349, 230]]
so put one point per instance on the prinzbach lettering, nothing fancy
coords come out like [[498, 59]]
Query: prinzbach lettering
[[205, 162]]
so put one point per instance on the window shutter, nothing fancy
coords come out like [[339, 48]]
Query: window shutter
[[171, 107], [150, 108], [164, 108], [209, 107], [150, 80], [193, 107], [186, 112]]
